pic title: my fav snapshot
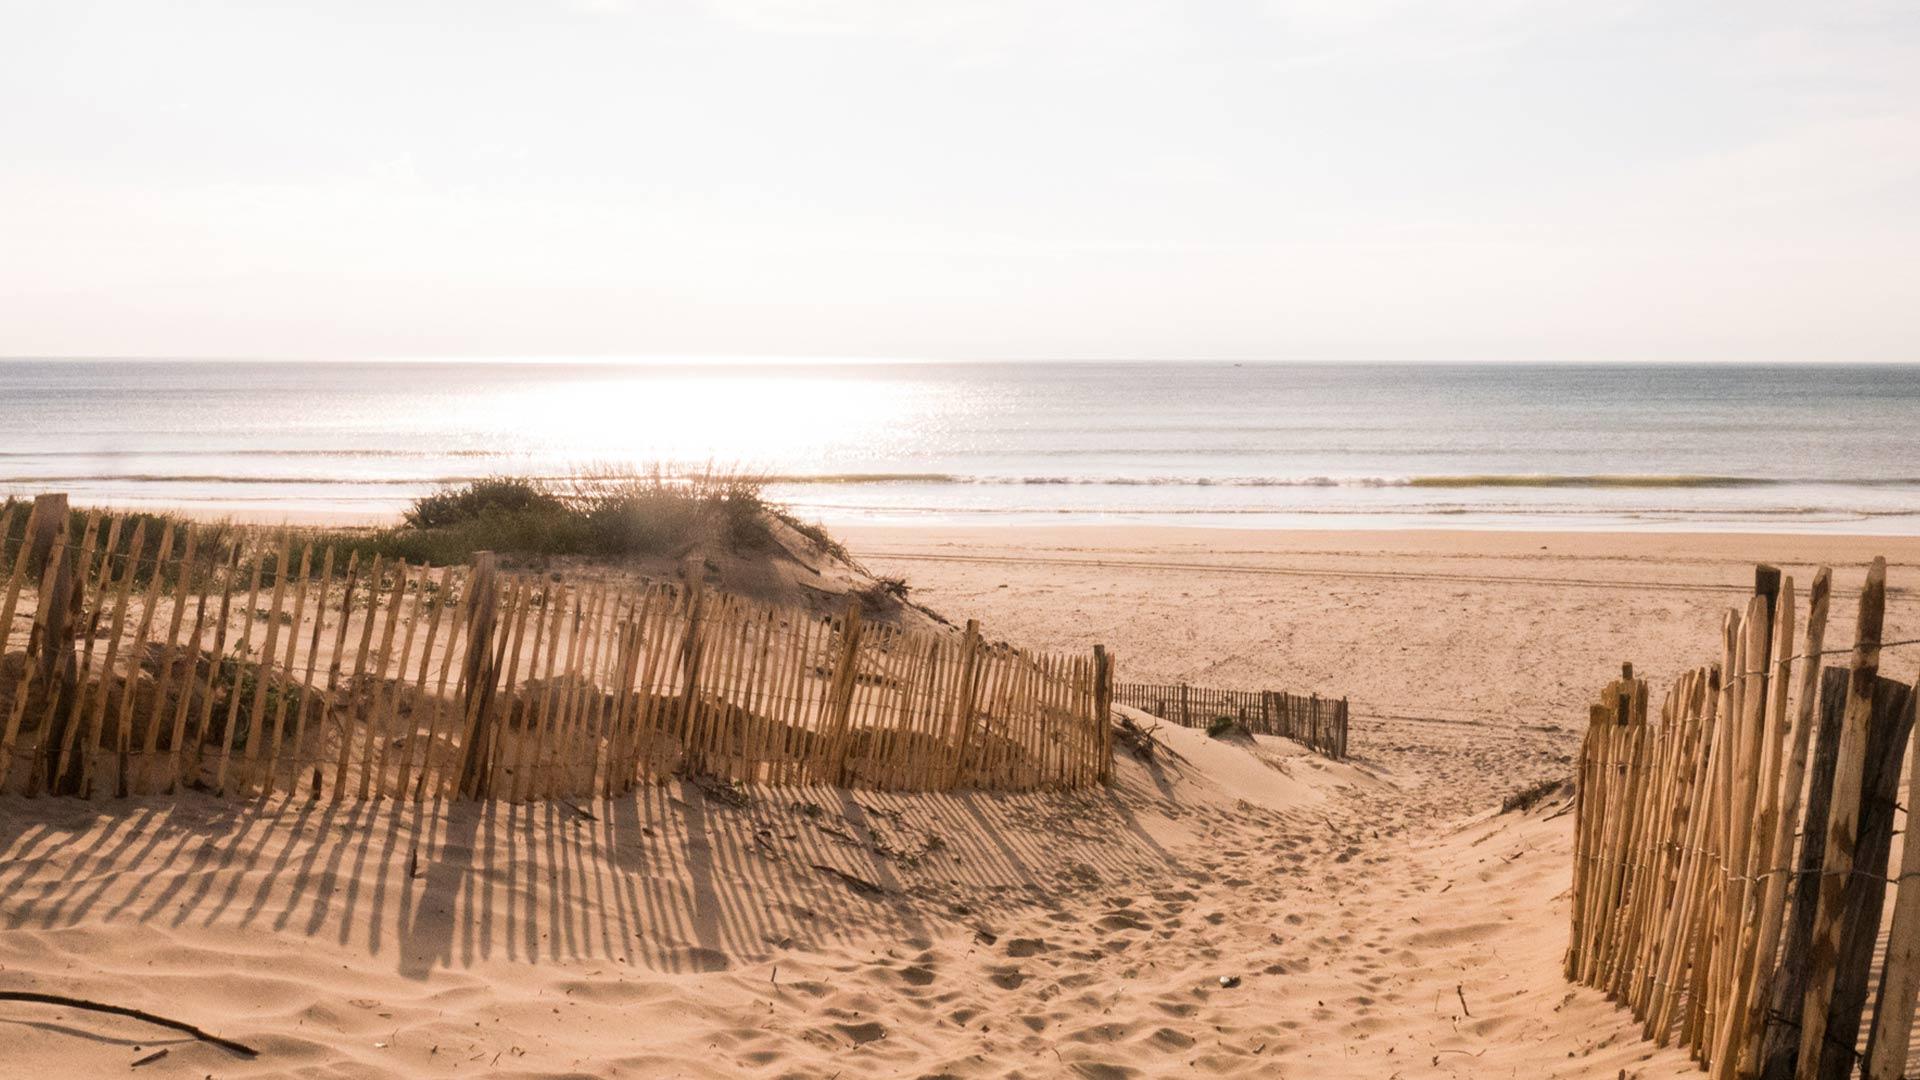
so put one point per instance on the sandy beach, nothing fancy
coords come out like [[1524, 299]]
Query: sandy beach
[[851, 541], [1229, 907], [1503, 629]]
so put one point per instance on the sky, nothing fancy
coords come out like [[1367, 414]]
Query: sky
[[1000, 179]]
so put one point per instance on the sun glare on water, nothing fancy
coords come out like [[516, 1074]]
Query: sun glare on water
[[760, 420]]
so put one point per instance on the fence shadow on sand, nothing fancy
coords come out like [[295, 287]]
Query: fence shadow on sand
[[679, 877]]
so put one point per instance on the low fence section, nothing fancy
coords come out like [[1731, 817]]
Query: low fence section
[[135, 662], [1319, 723], [1731, 863]]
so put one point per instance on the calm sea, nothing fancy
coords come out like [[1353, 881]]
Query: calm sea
[[1832, 448]]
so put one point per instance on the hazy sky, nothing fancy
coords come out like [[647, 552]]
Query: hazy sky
[[1109, 178]]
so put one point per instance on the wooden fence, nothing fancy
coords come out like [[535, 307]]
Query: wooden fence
[[1694, 904], [138, 664], [1319, 723]]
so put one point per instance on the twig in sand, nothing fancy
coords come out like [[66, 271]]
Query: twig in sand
[[1460, 989], [857, 884], [229, 1045], [149, 1059]]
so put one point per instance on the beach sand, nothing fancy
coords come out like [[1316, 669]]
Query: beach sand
[[1370, 919]]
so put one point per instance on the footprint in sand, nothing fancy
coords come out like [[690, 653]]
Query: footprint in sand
[[1022, 948], [1008, 978], [862, 1034], [1171, 1040]]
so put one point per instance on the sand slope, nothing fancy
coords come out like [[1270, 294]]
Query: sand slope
[[684, 933]]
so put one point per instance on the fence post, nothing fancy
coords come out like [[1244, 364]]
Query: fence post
[[1787, 985], [479, 671], [692, 652], [1886, 1056], [47, 525], [1865, 890], [1103, 712], [965, 700], [623, 732], [1843, 827], [1186, 714], [846, 676]]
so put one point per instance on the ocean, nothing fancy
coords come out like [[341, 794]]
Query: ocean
[[1656, 447]]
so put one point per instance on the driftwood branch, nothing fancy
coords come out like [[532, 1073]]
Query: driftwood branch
[[229, 1045]]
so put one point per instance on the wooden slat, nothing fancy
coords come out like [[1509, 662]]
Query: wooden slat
[[183, 584], [230, 733], [558, 761], [382, 691], [502, 702], [451, 652], [278, 721], [298, 760], [263, 668], [388, 720], [59, 736], [1772, 909], [1843, 825], [1886, 1056], [344, 757], [590, 724], [123, 722], [483, 667]]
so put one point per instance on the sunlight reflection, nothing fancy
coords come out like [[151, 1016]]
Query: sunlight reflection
[[762, 420]]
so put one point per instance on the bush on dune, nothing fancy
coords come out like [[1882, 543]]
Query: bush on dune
[[481, 499], [600, 513]]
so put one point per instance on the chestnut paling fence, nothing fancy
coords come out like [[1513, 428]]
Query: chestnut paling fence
[[135, 662], [1319, 723], [1731, 871]]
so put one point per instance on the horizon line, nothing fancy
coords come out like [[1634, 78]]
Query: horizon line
[[801, 360]]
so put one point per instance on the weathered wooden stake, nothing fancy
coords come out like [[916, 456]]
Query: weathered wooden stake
[[478, 673]]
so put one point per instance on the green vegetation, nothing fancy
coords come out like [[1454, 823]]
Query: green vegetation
[[213, 540], [489, 498], [1220, 726], [597, 513], [239, 676]]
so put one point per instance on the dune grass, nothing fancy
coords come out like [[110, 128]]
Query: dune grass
[[213, 540], [595, 513], [1526, 798]]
